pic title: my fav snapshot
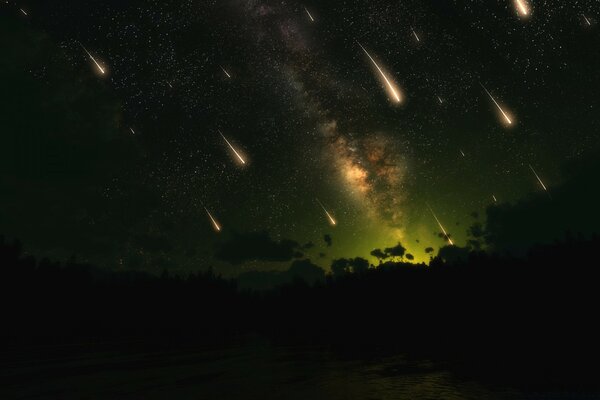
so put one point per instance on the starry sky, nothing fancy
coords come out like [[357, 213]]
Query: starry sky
[[128, 162]]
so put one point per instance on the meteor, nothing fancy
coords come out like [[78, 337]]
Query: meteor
[[102, 71], [587, 21], [226, 73], [132, 131], [24, 12], [504, 114], [214, 222], [441, 226], [331, 220], [540, 180], [462, 153], [309, 15], [415, 34], [440, 100], [392, 90], [522, 8], [494, 198], [232, 148]]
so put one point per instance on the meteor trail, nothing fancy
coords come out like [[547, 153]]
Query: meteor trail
[[494, 198], [540, 180], [391, 88], [441, 226], [462, 152], [102, 71], [440, 100], [327, 213], [415, 33], [132, 131], [214, 222], [587, 20], [309, 15], [522, 7], [23, 11], [505, 115], [231, 147], [226, 73]]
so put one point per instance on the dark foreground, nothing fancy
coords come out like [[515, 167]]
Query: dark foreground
[[249, 370], [485, 327]]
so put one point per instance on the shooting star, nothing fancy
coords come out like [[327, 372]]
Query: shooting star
[[102, 71], [24, 12], [587, 21], [232, 148], [507, 118], [494, 198], [539, 180], [522, 8], [462, 152], [331, 220], [393, 91], [441, 226], [132, 131], [309, 15], [226, 73], [169, 83], [214, 222], [440, 100], [415, 34]]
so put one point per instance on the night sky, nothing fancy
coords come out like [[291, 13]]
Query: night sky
[[121, 168]]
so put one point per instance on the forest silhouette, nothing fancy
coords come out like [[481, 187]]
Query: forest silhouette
[[529, 320]]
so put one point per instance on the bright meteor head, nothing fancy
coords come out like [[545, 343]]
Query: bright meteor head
[[100, 68], [237, 154], [332, 221], [506, 117], [214, 222], [390, 86], [522, 7]]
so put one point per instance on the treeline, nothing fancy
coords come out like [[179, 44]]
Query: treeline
[[533, 317]]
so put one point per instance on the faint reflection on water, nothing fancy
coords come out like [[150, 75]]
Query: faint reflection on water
[[243, 372]]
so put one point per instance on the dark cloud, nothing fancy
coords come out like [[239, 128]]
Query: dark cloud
[[327, 238], [256, 246], [539, 219], [308, 246]]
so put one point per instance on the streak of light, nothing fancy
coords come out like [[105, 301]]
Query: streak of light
[[415, 34], [441, 226], [440, 100], [226, 73], [504, 114], [331, 220], [309, 15], [539, 180], [132, 131], [393, 91], [587, 21], [522, 8], [24, 12], [214, 221], [102, 71], [494, 198], [232, 148], [462, 153], [169, 83]]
